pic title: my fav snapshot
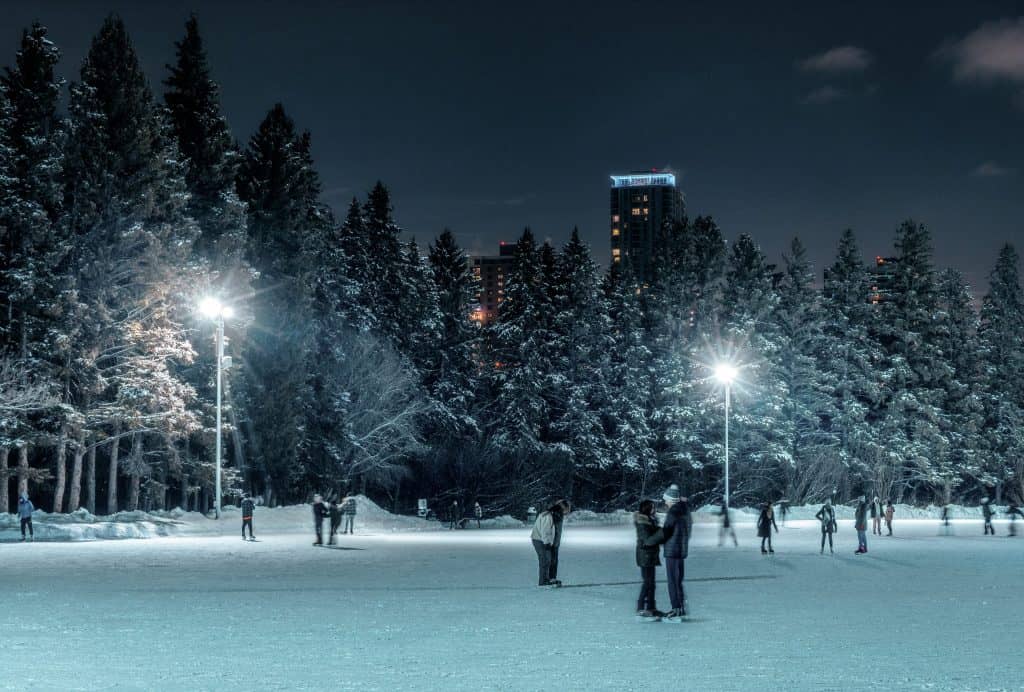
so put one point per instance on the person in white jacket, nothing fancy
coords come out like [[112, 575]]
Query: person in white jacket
[[546, 537]]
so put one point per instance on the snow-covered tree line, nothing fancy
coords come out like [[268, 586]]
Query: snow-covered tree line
[[356, 365]]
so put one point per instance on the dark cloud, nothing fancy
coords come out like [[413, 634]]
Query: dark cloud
[[993, 52], [823, 95], [838, 59]]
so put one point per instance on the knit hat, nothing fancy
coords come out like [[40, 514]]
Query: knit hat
[[672, 494]]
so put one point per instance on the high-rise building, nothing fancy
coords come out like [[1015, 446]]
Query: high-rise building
[[492, 272], [641, 203], [882, 275]]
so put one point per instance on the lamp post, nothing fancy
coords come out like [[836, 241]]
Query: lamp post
[[215, 310], [726, 373]]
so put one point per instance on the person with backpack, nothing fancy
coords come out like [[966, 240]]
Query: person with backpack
[[647, 559], [547, 538], [876, 517], [675, 536], [247, 509], [889, 511], [986, 513], [334, 511], [860, 523], [25, 509], [765, 523], [827, 516], [348, 510]]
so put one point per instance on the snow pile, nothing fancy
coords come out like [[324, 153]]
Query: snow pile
[[587, 517]]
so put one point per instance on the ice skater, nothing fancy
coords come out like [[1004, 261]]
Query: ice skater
[[319, 510], [1013, 512], [876, 517], [783, 510], [827, 516], [547, 537], [247, 509], [348, 511], [860, 523], [334, 511], [947, 526], [478, 512], [726, 527], [675, 535], [647, 559], [765, 523], [889, 511], [25, 509], [986, 513], [453, 515]]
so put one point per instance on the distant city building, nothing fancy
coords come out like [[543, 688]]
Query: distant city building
[[641, 203], [882, 275], [492, 272]]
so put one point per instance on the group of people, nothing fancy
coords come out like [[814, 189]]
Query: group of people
[[345, 510], [457, 521]]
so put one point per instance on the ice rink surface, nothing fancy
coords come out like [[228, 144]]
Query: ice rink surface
[[458, 610]]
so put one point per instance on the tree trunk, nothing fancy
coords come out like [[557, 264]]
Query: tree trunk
[[4, 453], [112, 476], [75, 495], [62, 471], [136, 462], [90, 480], [22, 470]]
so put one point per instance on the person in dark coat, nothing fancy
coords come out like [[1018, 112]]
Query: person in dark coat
[[547, 538], [889, 511], [986, 512], [25, 509], [876, 516], [319, 512], [726, 527], [454, 515], [675, 536], [478, 512], [248, 506], [860, 523], [335, 514], [348, 511], [765, 524], [947, 527], [827, 516], [1013, 512], [647, 559]]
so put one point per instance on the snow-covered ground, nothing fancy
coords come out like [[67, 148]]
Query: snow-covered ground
[[399, 608]]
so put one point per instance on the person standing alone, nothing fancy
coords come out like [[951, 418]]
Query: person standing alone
[[986, 512], [675, 535], [860, 523], [247, 509], [348, 508], [546, 538], [765, 523], [25, 509], [478, 512], [889, 511], [319, 511], [827, 516]]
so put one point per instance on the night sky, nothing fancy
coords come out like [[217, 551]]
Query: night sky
[[487, 117]]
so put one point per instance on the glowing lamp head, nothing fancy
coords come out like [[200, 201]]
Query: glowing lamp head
[[725, 373], [213, 308]]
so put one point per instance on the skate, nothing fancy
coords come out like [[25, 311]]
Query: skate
[[771, 551], [675, 615], [647, 616]]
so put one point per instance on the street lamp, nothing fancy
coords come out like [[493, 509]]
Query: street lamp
[[726, 373], [215, 310]]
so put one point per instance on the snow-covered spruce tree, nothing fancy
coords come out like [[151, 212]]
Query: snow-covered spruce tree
[[204, 140], [851, 359], [278, 183], [1002, 362], [579, 358], [626, 409], [749, 301], [419, 316], [384, 264], [517, 373], [126, 208], [808, 407], [915, 368]]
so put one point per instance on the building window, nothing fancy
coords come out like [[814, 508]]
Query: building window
[[615, 218], [615, 233], [636, 211]]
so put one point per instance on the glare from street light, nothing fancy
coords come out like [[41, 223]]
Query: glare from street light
[[212, 308], [725, 373]]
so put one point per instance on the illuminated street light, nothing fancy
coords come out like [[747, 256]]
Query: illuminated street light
[[726, 374], [215, 310]]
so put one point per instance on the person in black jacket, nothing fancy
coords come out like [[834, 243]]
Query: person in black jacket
[[827, 516], [247, 509], [335, 513], [726, 528], [454, 515], [319, 511], [1013, 512], [646, 559], [675, 535], [860, 523], [765, 523], [986, 512]]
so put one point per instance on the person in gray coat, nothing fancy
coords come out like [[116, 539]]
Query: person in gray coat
[[25, 509], [546, 538]]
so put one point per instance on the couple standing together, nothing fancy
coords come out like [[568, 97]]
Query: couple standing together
[[675, 537]]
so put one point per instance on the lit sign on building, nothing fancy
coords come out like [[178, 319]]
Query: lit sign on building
[[644, 180]]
